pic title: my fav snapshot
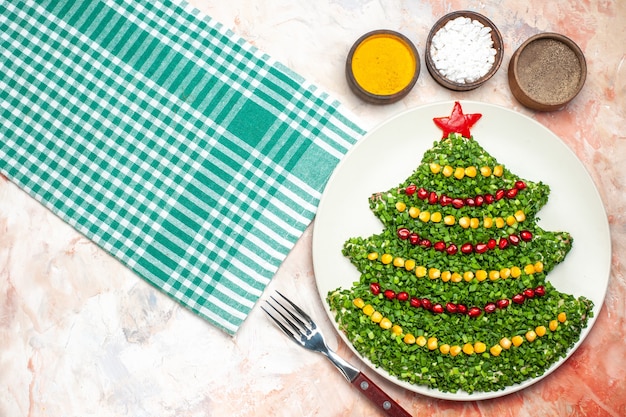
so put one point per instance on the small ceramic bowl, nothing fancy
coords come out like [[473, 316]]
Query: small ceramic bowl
[[547, 72], [431, 61], [382, 66]]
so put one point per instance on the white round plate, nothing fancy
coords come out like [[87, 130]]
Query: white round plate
[[387, 155]]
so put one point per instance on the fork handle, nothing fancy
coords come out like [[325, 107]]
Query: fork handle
[[378, 397]]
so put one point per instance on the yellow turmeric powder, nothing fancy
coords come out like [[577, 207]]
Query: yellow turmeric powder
[[383, 64]]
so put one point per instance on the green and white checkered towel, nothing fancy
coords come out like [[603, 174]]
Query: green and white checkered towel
[[182, 150]]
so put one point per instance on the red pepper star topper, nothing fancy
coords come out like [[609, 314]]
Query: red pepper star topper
[[457, 122]]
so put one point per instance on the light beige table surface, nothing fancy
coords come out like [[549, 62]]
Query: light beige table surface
[[82, 336]]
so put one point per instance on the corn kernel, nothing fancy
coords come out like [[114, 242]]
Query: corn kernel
[[517, 340], [449, 220], [434, 273], [485, 171], [358, 303], [368, 310], [464, 222], [445, 349], [480, 347], [386, 258], [487, 222], [414, 212], [498, 170], [372, 256], [562, 317], [470, 172], [435, 168], [409, 264], [520, 216], [531, 335], [424, 216], [481, 275], [409, 339], [435, 217], [516, 272], [510, 220], [455, 350], [529, 269], [446, 275], [420, 271], [495, 350], [456, 277], [385, 323], [398, 262], [468, 276], [553, 325], [499, 222], [396, 330], [538, 266], [468, 349], [459, 173], [505, 273], [474, 223], [400, 206], [421, 340], [505, 342], [540, 330], [447, 171], [494, 275], [376, 317], [432, 343]]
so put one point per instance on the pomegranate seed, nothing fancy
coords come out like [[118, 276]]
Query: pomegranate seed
[[520, 185], [433, 198], [427, 304], [470, 202], [437, 308], [461, 308], [489, 198], [491, 243], [425, 243], [481, 248], [458, 203], [440, 246], [414, 238], [474, 312], [467, 248], [511, 193], [390, 294], [422, 194], [402, 296], [490, 308], [499, 194], [444, 200], [503, 243], [514, 240], [403, 233], [451, 308], [479, 200], [375, 288], [410, 190], [518, 298], [525, 235], [540, 291], [503, 303], [415, 302], [452, 249], [529, 293]]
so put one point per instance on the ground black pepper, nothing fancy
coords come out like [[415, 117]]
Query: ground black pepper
[[549, 71]]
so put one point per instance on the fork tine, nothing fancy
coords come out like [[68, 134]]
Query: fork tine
[[304, 315], [298, 330], [278, 322]]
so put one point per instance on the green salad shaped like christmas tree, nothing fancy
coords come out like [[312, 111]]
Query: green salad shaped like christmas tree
[[453, 293]]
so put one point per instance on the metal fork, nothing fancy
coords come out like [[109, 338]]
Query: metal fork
[[296, 324]]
